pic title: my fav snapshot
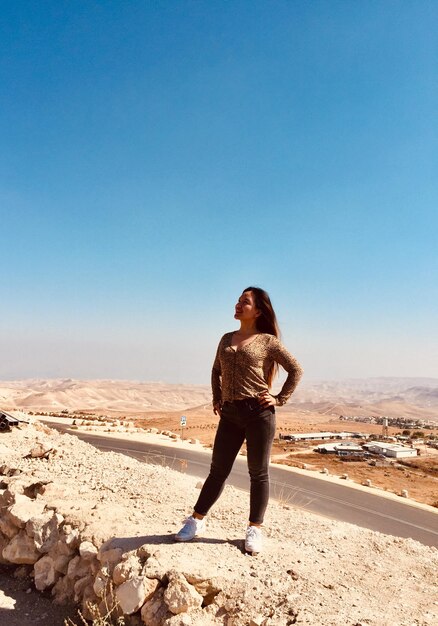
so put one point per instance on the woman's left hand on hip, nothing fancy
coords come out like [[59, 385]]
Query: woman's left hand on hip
[[266, 399]]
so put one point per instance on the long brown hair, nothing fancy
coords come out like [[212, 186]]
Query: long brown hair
[[266, 321]]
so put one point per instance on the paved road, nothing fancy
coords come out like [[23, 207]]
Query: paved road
[[336, 501]]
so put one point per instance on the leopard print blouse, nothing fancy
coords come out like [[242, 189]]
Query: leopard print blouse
[[242, 373]]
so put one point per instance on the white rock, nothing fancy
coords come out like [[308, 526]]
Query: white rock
[[180, 596], [132, 594], [23, 509], [87, 550]]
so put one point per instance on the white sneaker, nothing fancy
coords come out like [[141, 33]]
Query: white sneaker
[[191, 529], [253, 539]]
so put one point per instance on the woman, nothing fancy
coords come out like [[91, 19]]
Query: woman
[[245, 365]]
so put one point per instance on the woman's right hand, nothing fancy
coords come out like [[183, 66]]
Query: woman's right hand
[[217, 407]]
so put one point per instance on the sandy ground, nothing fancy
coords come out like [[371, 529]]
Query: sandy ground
[[313, 571]]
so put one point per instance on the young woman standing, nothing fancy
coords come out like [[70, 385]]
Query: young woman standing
[[245, 365]]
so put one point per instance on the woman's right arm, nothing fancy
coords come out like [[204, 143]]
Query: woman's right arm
[[216, 382]]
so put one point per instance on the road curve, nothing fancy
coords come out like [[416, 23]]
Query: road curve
[[330, 499]]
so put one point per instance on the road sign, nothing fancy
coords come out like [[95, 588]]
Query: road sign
[[183, 420]]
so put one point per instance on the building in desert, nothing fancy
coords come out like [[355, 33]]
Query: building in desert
[[393, 450]]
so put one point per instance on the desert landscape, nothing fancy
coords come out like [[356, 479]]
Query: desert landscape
[[315, 407]]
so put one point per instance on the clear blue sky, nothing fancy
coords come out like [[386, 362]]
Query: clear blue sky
[[158, 157]]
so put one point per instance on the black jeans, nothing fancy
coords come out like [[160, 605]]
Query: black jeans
[[240, 420]]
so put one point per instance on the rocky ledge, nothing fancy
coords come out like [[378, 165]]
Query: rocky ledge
[[97, 528]]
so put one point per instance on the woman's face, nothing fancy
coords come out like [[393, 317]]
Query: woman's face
[[246, 308]]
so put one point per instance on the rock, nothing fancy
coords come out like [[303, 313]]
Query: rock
[[4, 541], [62, 590], [23, 510], [45, 573], [87, 550], [89, 600], [126, 569], [21, 549], [43, 529], [71, 537], [135, 592], [6, 498], [145, 551], [155, 611], [204, 586], [180, 596], [61, 547], [184, 619], [109, 555], [40, 450], [8, 528], [77, 568], [154, 569], [101, 582], [60, 563], [80, 586]]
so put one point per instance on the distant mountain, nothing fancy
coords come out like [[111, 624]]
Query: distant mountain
[[351, 396], [100, 395], [419, 391]]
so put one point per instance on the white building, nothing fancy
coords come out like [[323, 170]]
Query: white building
[[393, 450], [315, 436], [347, 447]]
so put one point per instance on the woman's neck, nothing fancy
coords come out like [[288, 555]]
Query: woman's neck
[[247, 329]]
